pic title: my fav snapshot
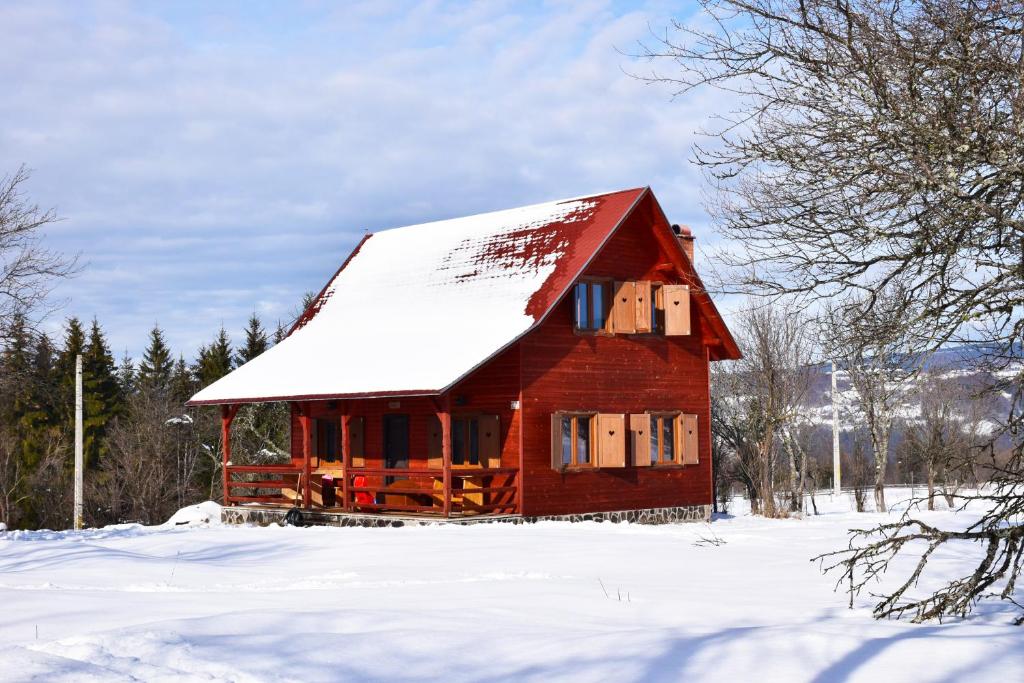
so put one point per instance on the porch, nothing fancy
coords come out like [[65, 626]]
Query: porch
[[409, 457]]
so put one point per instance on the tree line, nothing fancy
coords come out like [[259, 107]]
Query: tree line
[[145, 453]]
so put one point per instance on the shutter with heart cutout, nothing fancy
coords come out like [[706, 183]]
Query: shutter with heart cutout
[[611, 440], [677, 309]]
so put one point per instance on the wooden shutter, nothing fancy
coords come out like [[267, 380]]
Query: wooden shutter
[[490, 440], [624, 308], [686, 427], [640, 439], [356, 440], [435, 450], [642, 315], [556, 441], [611, 440], [677, 309]]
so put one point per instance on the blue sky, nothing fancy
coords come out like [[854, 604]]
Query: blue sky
[[212, 159]]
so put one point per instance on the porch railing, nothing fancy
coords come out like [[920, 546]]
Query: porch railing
[[472, 491]]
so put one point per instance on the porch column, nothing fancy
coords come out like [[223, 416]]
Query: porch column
[[307, 493], [446, 454], [346, 454], [227, 415]]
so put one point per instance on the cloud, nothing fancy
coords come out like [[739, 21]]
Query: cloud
[[212, 160]]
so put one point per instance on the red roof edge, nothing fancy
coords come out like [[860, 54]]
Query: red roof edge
[[318, 301]]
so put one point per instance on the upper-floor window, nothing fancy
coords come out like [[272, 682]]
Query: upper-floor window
[[631, 307], [591, 305]]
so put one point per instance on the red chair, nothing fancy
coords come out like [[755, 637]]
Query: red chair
[[364, 497]]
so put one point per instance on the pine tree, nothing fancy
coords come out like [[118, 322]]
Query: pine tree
[[126, 379], [156, 366], [183, 384], [15, 370], [255, 341], [74, 344], [214, 360], [101, 394], [37, 406], [280, 333]]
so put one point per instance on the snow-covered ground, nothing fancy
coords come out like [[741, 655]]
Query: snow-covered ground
[[551, 601]]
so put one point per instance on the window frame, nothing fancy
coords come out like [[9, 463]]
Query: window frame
[[607, 287], [657, 308], [658, 452], [573, 465]]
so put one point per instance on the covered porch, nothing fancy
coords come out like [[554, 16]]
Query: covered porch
[[400, 456]]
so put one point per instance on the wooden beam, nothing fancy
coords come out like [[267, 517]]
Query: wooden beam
[[445, 415], [346, 454], [307, 493], [227, 415]]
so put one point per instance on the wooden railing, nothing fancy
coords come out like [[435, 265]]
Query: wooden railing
[[473, 491], [257, 479]]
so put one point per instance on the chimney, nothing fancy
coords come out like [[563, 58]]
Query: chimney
[[685, 238]]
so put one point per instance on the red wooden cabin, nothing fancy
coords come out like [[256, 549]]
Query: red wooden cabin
[[542, 361]]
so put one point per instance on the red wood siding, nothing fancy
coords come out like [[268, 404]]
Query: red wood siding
[[563, 370], [489, 391]]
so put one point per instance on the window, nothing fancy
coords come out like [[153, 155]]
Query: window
[[657, 308], [465, 441], [590, 299], [663, 439], [572, 440]]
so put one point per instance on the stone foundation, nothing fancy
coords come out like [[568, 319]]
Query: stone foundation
[[266, 516]]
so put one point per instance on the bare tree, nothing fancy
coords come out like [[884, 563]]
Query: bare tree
[[28, 270], [870, 346], [761, 394], [876, 143], [936, 441]]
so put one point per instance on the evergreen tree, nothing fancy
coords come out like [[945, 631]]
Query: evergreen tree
[[255, 341], [214, 360], [280, 333], [101, 394], [156, 366], [15, 370], [37, 405], [126, 377], [74, 344], [183, 384]]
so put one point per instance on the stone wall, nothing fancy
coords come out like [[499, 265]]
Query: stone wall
[[267, 516]]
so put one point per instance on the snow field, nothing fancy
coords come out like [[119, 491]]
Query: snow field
[[550, 601]]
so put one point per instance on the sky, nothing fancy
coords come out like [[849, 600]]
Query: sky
[[211, 160]]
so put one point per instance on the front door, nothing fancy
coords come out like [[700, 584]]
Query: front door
[[396, 441]]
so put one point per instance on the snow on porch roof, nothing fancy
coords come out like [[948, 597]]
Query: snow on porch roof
[[415, 309]]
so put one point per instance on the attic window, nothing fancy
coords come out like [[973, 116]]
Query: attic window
[[590, 305]]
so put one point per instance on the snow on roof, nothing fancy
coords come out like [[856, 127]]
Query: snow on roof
[[417, 308]]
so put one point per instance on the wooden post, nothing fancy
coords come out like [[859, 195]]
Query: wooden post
[[307, 470], [346, 454], [78, 443], [227, 414], [446, 454], [837, 472]]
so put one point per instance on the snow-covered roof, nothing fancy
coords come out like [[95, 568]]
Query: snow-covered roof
[[415, 309]]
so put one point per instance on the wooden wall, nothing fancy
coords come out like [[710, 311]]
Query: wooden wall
[[563, 370], [489, 391]]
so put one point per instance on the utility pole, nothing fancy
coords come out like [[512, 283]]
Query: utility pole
[[78, 441], [837, 474]]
